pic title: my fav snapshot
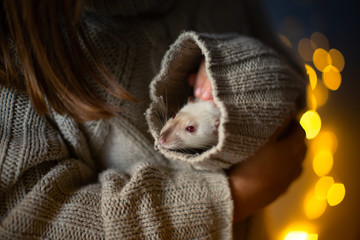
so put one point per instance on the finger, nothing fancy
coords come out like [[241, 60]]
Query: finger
[[199, 83], [198, 87], [191, 79], [206, 91], [206, 86], [201, 80]]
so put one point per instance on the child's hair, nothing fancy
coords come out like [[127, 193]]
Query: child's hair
[[45, 49]]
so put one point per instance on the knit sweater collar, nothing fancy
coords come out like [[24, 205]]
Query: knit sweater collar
[[127, 7]]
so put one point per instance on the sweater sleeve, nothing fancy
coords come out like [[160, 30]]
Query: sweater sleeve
[[253, 86], [46, 192]]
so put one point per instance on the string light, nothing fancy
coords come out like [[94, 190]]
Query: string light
[[326, 140], [322, 187], [314, 207], [305, 49], [321, 94], [323, 162], [285, 40], [323, 144], [311, 123], [331, 77], [337, 59], [319, 40], [336, 194], [312, 76], [321, 59], [311, 101], [299, 235]]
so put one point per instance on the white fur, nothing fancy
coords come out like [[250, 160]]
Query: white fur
[[202, 114]]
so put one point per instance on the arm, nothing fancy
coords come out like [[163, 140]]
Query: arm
[[48, 192], [257, 182], [252, 85], [260, 180]]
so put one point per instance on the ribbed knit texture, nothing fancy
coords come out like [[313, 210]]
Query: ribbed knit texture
[[253, 87], [47, 194], [51, 186]]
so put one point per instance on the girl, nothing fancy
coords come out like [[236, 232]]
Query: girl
[[74, 79]]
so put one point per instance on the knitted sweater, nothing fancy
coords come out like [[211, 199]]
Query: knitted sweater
[[52, 185]]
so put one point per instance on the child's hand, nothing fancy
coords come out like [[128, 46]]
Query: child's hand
[[201, 83]]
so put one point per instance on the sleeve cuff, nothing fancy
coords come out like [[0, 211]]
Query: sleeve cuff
[[158, 203], [253, 87]]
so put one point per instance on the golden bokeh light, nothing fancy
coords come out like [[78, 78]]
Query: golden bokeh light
[[319, 40], [285, 40], [311, 99], [331, 77], [321, 94], [322, 187], [325, 140], [297, 228], [323, 162], [314, 207], [324, 67], [296, 235], [311, 123], [336, 194], [337, 59], [312, 236], [300, 235], [321, 59], [305, 49], [312, 76]]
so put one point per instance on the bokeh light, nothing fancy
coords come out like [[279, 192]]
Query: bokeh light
[[322, 187], [292, 27], [312, 76], [313, 206], [336, 194], [300, 235], [305, 49], [323, 162], [331, 77], [321, 94], [321, 59], [323, 67], [325, 140], [337, 59], [311, 101], [296, 235], [311, 123], [319, 40], [285, 40]]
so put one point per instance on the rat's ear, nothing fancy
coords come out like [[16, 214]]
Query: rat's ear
[[190, 99]]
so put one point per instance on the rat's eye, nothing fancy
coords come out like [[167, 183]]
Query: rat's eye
[[190, 128], [173, 116]]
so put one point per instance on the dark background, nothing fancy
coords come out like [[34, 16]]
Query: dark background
[[339, 22]]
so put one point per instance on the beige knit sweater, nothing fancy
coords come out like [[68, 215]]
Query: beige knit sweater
[[58, 180]]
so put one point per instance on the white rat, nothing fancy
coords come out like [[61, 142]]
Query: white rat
[[195, 126]]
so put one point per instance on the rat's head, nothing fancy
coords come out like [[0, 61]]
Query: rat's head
[[187, 131], [177, 131]]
